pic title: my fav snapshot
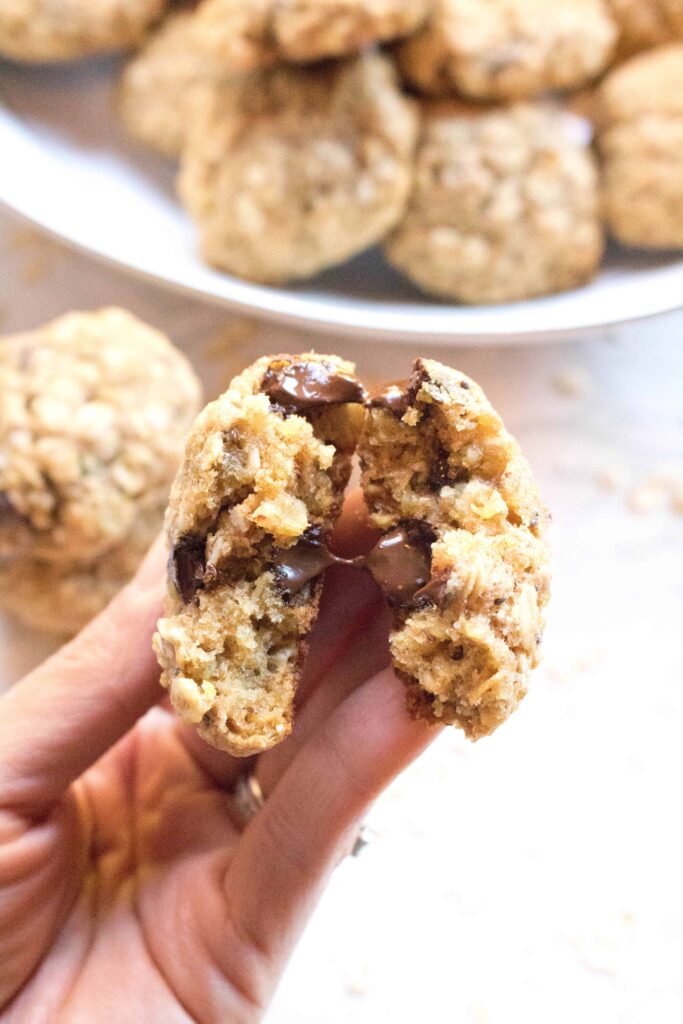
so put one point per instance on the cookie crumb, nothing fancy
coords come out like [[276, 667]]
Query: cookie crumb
[[572, 381], [610, 478], [645, 499]]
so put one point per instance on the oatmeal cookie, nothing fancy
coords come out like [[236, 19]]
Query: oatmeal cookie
[[259, 489], [160, 85], [93, 413], [455, 498], [504, 207], [640, 136], [643, 24], [508, 49], [61, 597], [294, 170], [57, 30], [251, 34]]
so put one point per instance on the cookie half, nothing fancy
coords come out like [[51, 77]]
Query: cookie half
[[259, 489], [463, 560]]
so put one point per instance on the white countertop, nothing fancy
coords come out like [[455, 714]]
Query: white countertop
[[536, 876]]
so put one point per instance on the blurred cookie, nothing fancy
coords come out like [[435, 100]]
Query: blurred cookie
[[293, 170], [640, 136], [508, 49], [60, 598], [463, 558], [504, 207], [259, 489], [643, 24], [250, 34], [159, 87], [56, 30], [93, 414]]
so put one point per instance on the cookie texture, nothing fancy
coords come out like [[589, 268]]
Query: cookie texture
[[250, 34], [289, 171], [58, 30], [61, 597], [504, 207], [508, 49], [160, 85], [94, 409], [640, 136], [444, 480], [643, 24], [259, 489]]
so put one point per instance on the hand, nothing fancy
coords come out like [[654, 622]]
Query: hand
[[128, 890]]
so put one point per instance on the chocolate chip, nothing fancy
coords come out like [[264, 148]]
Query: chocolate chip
[[439, 470], [305, 387], [188, 566], [391, 397], [401, 562], [297, 566]]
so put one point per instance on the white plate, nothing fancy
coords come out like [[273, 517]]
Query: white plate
[[65, 165]]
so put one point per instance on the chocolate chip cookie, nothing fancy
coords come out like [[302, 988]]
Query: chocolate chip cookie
[[259, 489], [93, 414], [463, 559], [158, 92], [640, 137], [508, 49], [504, 207], [57, 30], [250, 34], [289, 171]]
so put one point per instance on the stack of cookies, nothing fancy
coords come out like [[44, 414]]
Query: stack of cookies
[[93, 415], [310, 130]]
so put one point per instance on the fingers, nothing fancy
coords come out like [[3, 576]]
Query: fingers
[[292, 845], [63, 716]]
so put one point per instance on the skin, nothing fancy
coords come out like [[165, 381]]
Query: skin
[[129, 890]]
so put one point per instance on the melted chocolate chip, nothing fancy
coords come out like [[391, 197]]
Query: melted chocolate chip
[[297, 566], [392, 397], [434, 593], [401, 563], [308, 386], [188, 566]]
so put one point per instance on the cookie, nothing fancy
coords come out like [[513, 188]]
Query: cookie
[[463, 559], [504, 207], [57, 30], [93, 414], [640, 137], [159, 86], [61, 597], [293, 170], [259, 489], [251, 34], [643, 24], [508, 49]]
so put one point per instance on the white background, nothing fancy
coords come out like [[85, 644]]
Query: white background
[[536, 876]]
